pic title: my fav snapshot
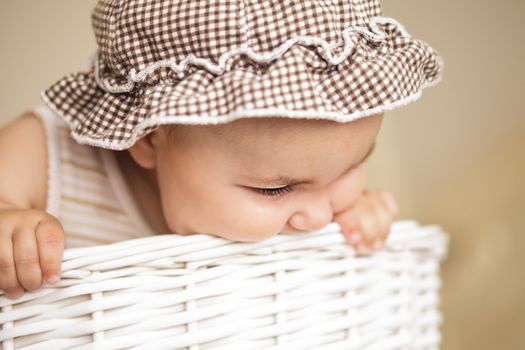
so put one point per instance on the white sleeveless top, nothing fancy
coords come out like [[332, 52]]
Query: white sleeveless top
[[86, 190]]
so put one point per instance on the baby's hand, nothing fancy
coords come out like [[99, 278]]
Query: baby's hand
[[367, 223], [32, 242]]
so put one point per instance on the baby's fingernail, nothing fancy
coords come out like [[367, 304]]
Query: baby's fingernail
[[52, 279], [14, 294], [356, 237]]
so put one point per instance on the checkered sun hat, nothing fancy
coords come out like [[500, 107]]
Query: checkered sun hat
[[214, 61]]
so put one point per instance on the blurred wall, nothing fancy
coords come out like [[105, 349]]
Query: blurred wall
[[456, 157]]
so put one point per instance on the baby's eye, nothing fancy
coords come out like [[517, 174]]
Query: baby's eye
[[274, 192]]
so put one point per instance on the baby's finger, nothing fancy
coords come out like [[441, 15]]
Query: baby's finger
[[358, 225], [384, 219], [50, 239], [8, 281], [390, 202], [349, 225], [368, 223], [25, 253]]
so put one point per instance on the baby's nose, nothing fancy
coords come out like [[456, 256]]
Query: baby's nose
[[314, 214]]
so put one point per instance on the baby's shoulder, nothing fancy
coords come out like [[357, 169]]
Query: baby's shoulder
[[23, 160]]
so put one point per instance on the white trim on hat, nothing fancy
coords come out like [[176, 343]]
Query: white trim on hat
[[252, 113]]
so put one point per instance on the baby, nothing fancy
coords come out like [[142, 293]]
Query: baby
[[244, 149]]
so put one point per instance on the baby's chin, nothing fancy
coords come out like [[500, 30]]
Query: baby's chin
[[241, 235], [247, 237]]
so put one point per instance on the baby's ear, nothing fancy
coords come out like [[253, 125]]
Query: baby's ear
[[144, 151]]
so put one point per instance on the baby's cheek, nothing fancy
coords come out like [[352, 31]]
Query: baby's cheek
[[232, 213], [346, 190], [249, 226]]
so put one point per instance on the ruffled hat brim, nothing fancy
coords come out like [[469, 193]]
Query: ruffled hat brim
[[371, 72]]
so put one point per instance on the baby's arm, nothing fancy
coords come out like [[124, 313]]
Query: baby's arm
[[31, 240]]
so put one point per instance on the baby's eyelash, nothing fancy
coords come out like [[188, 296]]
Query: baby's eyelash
[[274, 192]]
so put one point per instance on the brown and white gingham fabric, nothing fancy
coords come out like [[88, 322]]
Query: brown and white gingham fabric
[[214, 61]]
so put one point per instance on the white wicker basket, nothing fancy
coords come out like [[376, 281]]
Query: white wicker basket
[[302, 291]]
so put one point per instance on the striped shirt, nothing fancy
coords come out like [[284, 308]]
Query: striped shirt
[[86, 190]]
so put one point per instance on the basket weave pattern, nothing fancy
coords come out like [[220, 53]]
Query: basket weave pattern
[[303, 291]]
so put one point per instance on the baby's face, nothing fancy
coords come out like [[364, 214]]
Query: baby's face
[[224, 180]]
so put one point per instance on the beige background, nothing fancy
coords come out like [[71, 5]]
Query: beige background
[[456, 157]]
